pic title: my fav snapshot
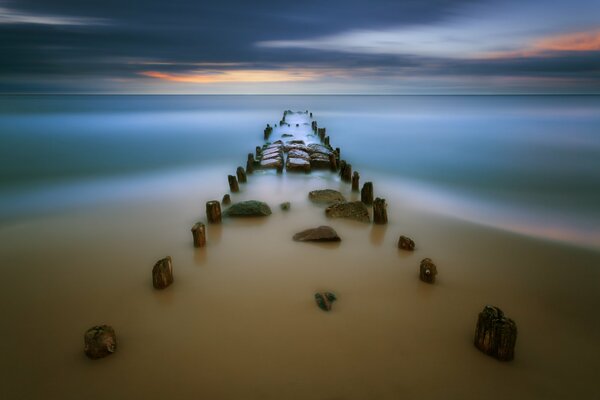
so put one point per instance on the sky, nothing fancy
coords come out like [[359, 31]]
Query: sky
[[300, 47]]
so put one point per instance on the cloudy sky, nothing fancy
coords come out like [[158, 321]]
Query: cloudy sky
[[309, 46]]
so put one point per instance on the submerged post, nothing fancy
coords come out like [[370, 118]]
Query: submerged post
[[233, 184], [427, 270], [496, 335], [379, 211], [250, 163], [162, 273], [332, 162], [346, 172], [366, 194], [199, 234], [213, 212], [355, 179], [241, 175]]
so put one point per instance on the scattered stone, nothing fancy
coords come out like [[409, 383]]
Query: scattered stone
[[496, 335], [199, 234], [366, 194], [319, 161], [241, 175], [272, 163], [297, 165], [213, 212], [326, 196], [285, 206], [233, 184], [355, 180], [296, 153], [162, 273], [296, 142], [406, 243], [286, 135], [99, 341], [325, 300], [320, 234], [319, 148], [250, 208], [355, 210], [226, 199], [380, 211], [427, 270]]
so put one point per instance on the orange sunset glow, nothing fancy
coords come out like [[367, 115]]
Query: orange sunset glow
[[234, 76]]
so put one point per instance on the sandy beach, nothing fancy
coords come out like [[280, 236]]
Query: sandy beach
[[240, 321]]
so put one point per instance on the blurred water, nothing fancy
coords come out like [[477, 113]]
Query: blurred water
[[530, 164]]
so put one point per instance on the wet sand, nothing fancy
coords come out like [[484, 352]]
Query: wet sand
[[240, 321]]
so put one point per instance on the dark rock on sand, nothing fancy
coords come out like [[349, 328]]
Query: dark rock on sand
[[324, 300], [427, 270], [320, 161], [319, 148], [294, 164], [355, 210], [162, 273], [320, 234], [99, 341], [285, 206], [250, 208], [406, 243], [287, 135], [326, 196], [297, 153], [496, 335]]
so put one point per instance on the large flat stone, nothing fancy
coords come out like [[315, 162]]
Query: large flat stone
[[326, 196], [355, 210], [250, 208], [320, 234]]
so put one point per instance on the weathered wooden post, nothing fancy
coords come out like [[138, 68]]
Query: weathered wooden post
[[213, 212], [268, 130], [379, 211], [162, 273], [199, 234], [496, 335], [332, 162], [406, 243], [366, 194], [226, 199], [233, 184], [258, 152], [346, 173], [241, 175], [326, 140], [99, 341], [427, 270], [250, 163], [355, 180], [342, 165]]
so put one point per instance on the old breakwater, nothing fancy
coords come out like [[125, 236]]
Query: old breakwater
[[297, 145]]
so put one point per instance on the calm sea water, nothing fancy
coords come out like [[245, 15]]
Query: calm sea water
[[529, 164]]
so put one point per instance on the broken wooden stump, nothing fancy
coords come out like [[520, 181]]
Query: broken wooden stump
[[406, 243], [213, 212], [99, 341], [162, 273], [258, 152], [233, 184], [346, 173], [326, 140], [226, 199], [250, 163], [355, 180], [427, 270], [332, 162], [285, 206], [241, 175], [267, 131], [366, 194], [379, 211], [199, 234], [495, 335], [324, 300]]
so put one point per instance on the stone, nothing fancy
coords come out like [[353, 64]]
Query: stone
[[495, 334], [406, 243], [99, 341], [276, 163], [296, 153], [199, 234], [326, 196], [249, 208], [427, 270], [319, 148], [297, 165], [162, 273], [325, 300], [319, 161], [355, 210], [320, 234], [287, 135], [285, 206]]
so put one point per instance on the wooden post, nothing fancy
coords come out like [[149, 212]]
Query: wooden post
[[342, 165], [332, 162], [162, 273], [258, 152], [233, 184], [199, 233], [241, 175], [326, 140], [355, 179], [366, 194], [250, 163], [379, 211], [226, 199], [427, 270], [213, 212], [347, 173], [99, 341], [496, 335]]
